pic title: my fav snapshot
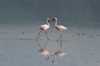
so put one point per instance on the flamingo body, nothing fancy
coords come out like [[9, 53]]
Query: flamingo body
[[60, 27], [44, 27]]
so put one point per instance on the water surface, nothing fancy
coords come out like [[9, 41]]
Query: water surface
[[20, 48]]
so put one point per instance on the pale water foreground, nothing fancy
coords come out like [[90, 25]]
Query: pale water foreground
[[19, 48]]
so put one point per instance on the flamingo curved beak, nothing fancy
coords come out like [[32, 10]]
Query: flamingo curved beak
[[48, 20]]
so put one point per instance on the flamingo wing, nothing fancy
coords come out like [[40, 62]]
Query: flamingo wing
[[60, 27], [43, 27]]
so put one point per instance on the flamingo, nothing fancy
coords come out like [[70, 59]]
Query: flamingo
[[44, 51], [59, 27], [44, 27], [58, 53]]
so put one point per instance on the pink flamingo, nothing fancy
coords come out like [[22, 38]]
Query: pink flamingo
[[59, 27], [44, 27]]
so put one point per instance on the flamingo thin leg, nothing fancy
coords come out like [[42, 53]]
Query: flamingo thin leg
[[46, 44], [46, 35], [38, 35], [60, 36], [38, 44]]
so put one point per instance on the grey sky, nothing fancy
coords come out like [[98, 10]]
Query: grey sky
[[70, 11]]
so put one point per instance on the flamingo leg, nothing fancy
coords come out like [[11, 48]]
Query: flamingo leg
[[46, 44], [38, 44], [60, 44], [46, 35], [38, 35], [60, 36]]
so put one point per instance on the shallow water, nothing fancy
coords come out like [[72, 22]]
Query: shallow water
[[19, 48]]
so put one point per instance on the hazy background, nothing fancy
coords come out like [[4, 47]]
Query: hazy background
[[70, 13]]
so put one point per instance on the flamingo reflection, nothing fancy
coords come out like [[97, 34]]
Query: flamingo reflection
[[43, 50], [58, 53]]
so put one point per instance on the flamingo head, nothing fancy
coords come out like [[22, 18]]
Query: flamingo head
[[54, 19], [48, 19]]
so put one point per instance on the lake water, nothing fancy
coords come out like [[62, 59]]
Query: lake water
[[18, 47]]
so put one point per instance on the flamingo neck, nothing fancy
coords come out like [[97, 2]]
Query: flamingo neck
[[48, 24], [56, 23]]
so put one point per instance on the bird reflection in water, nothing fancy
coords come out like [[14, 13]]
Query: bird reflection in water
[[58, 53], [43, 50]]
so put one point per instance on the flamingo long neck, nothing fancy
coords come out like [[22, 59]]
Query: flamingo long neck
[[56, 23], [48, 23]]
